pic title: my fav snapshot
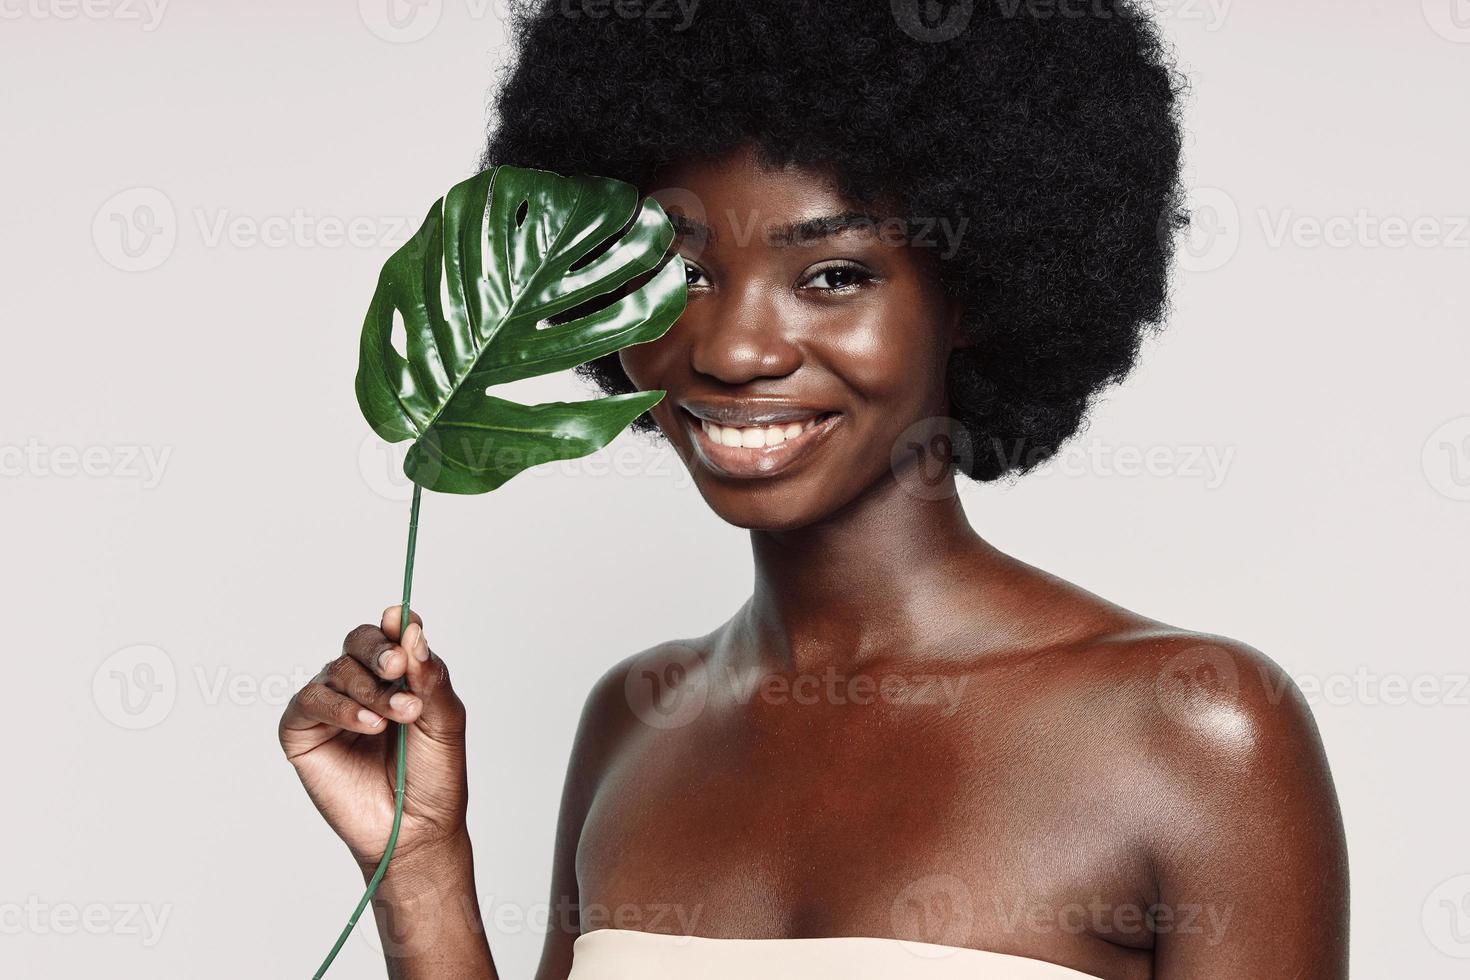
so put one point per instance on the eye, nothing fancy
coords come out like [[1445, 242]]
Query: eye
[[694, 276], [838, 277]]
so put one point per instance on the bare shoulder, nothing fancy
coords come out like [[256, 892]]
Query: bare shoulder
[[643, 690], [1232, 782], [1197, 701], [1208, 703]]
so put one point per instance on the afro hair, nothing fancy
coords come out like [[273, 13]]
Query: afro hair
[[1048, 130]]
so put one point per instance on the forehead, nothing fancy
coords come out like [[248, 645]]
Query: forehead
[[739, 199], [742, 172]]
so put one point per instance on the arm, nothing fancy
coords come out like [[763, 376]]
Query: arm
[[428, 916], [1252, 866], [605, 720], [335, 734]]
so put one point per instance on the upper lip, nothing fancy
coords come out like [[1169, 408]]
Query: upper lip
[[741, 412]]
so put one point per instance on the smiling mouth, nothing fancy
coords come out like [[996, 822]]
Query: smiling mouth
[[758, 450], [756, 436]]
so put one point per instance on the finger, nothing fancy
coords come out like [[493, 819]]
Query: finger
[[346, 676], [393, 616], [370, 647], [443, 713], [318, 704]]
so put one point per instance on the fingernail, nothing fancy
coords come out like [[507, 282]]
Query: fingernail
[[368, 718], [386, 656], [402, 702], [418, 646]]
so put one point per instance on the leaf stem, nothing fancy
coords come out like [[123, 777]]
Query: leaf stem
[[367, 896]]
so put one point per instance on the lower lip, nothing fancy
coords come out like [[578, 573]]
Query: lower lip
[[765, 461]]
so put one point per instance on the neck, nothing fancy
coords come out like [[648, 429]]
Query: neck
[[876, 580]]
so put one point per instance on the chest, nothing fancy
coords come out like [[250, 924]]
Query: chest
[[915, 810]]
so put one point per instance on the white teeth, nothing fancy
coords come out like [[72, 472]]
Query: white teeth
[[754, 437]]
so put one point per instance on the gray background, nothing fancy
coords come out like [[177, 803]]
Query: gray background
[[197, 199]]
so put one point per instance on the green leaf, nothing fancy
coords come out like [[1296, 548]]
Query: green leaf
[[515, 273]]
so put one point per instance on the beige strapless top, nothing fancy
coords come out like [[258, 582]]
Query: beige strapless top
[[622, 954]]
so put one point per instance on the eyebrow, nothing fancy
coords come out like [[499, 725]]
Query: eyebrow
[[804, 232]]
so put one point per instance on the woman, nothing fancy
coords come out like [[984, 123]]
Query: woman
[[916, 247]]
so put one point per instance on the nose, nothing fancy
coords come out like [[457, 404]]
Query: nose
[[744, 339]]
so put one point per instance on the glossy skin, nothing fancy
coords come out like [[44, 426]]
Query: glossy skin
[[903, 733]]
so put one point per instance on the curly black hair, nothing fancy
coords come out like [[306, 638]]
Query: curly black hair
[[1050, 128]]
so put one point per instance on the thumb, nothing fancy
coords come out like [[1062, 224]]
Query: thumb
[[392, 621], [443, 714]]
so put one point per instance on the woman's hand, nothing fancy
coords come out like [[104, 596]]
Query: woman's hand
[[336, 733]]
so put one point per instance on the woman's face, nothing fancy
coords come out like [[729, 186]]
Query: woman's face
[[812, 340]]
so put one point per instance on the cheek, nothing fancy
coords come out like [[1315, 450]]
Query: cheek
[[653, 366], [893, 356]]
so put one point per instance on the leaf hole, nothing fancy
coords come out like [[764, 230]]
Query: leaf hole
[[602, 247], [522, 211], [398, 336], [593, 304]]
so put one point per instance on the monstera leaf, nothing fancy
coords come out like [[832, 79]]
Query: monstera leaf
[[515, 273]]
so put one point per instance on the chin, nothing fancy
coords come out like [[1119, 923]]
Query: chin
[[755, 507]]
